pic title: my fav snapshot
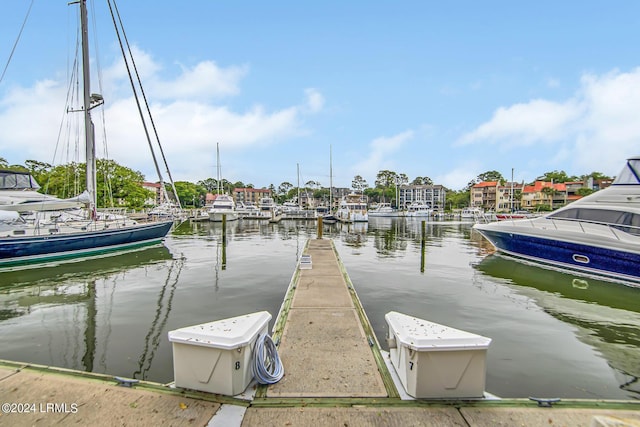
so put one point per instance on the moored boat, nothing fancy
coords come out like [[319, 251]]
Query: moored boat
[[597, 235], [417, 209], [353, 208], [223, 205], [46, 229], [384, 210]]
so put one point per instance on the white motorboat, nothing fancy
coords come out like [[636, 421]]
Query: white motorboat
[[598, 234], [353, 208], [384, 210]]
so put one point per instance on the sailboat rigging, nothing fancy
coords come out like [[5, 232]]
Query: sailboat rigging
[[50, 235]]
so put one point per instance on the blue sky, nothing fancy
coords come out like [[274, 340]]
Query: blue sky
[[441, 89]]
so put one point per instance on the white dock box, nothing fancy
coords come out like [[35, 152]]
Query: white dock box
[[216, 357], [436, 361]]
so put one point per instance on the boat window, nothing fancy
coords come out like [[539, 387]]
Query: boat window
[[625, 221], [16, 180], [630, 174]]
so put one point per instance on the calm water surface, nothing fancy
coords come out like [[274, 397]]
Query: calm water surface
[[554, 334]]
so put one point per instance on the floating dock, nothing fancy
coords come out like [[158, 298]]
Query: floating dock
[[335, 375]]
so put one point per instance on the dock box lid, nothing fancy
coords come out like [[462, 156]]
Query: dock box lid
[[226, 334], [418, 334]]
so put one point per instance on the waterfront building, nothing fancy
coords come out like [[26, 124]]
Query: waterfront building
[[435, 196], [484, 195], [157, 198], [509, 197], [250, 195]]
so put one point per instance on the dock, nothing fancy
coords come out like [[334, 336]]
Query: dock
[[335, 375]]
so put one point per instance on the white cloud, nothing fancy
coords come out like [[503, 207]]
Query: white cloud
[[315, 100], [525, 124], [189, 123], [379, 152], [591, 131]]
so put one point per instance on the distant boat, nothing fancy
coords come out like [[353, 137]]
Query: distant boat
[[247, 210], [353, 208], [598, 234], [515, 215], [40, 231], [471, 214], [417, 209], [223, 205], [269, 210], [384, 210]]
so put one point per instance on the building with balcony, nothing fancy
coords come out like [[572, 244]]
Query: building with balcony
[[434, 196]]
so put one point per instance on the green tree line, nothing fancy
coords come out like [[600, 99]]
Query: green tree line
[[121, 186]]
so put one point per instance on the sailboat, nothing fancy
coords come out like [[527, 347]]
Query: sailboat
[[51, 234], [329, 218], [223, 204]]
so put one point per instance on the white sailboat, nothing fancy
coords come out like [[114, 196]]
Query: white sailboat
[[328, 217], [223, 205], [50, 234]]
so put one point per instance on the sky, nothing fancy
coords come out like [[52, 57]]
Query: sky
[[446, 90]]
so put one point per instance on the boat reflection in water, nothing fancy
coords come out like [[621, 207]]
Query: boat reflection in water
[[606, 316], [79, 306]]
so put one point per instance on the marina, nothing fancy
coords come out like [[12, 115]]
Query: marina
[[554, 334], [335, 373]]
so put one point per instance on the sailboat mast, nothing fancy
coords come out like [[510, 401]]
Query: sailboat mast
[[219, 174], [330, 180], [298, 171], [88, 124]]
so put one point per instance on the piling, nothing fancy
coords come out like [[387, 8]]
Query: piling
[[319, 233], [423, 244]]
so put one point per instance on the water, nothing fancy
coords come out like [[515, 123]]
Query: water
[[554, 334]]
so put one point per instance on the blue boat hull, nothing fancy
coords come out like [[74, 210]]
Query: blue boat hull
[[596, 260], [26, 250]]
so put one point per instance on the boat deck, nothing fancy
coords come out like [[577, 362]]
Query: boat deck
[[334, 375]]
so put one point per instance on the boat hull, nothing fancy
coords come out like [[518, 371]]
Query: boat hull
[[37, 249], [600, 260], [217, 216]]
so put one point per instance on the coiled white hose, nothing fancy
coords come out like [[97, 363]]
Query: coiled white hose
[[267, 367]]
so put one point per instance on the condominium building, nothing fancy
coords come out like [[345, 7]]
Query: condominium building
[[435, 196]]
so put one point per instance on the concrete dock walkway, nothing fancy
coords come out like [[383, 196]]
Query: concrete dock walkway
[[334, 376], [324, 348]]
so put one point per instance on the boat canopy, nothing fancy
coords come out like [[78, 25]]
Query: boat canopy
[[630, 174], [14, 180]]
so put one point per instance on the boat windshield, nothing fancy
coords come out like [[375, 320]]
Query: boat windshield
[[630, 174], [12, 180], [625, 221]]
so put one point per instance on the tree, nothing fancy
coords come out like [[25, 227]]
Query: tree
[[485, 176], [3, 163], [210, 184], [457, 199], [491, 176], [422, 180], [550, 192], [190, 194], [359, 183], [386, 179], [284, 188], [557, 176], [116, 184], [584, 191]]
